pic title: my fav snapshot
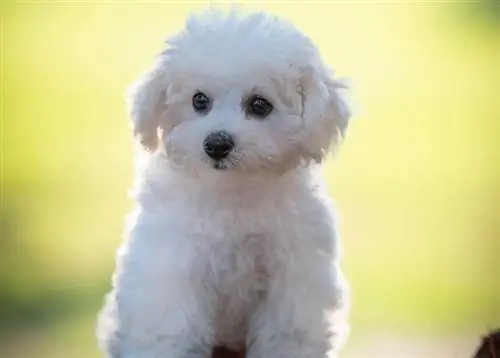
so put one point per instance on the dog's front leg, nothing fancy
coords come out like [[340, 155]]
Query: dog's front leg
[[304, 313], [158, 308], [173, 326]]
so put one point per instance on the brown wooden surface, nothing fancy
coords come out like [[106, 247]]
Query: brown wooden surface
[[489, 347], [221, 352]]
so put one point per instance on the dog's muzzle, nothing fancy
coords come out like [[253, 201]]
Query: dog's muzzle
[[218, 145]]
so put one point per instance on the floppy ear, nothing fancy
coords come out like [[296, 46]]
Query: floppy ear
[[146, 103], [325, 113]]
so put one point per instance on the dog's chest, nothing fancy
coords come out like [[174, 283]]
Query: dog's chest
[[239, 279], [236, 248]]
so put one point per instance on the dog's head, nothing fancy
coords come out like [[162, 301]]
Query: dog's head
[[239, 93]]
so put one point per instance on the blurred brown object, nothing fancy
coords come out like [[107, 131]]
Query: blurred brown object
[[222, 352], [490, 346]]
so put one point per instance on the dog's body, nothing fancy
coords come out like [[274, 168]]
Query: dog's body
[[234, 240]]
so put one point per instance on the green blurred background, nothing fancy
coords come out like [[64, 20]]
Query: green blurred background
[[417, 180]]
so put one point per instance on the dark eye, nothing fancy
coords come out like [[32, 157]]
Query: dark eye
[[259, 107], [201, 102]]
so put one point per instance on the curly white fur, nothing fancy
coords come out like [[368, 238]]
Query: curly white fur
[[242, 257]]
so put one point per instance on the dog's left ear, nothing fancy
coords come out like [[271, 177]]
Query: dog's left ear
[[325, 112], [146, 99]]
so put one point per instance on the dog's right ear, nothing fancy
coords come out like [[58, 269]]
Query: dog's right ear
[[146, 99]]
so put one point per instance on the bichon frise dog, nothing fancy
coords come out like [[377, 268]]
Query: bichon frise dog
[[234, 240]]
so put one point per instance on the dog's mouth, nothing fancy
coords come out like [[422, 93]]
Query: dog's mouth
[[220, 165], [231, 162]]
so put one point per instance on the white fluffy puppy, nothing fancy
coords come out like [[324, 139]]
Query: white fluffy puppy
[[234, 240]]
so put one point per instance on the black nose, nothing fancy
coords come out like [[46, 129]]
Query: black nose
[[217, 145]]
